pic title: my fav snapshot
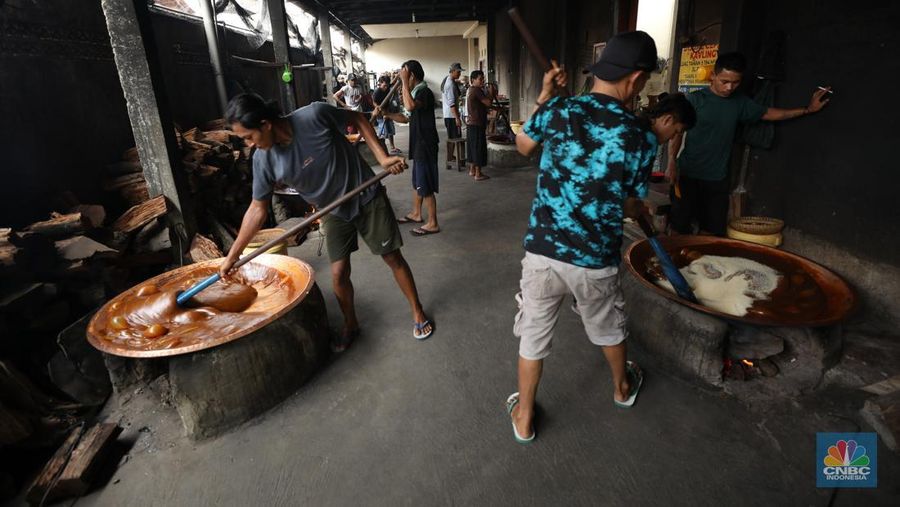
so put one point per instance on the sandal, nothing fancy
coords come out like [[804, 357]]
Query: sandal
[[635, 379], [418, 329], [511, 403], [421, 231], [342, 342], [407, 220]]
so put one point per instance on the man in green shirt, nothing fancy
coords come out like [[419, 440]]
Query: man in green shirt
[[701, 171]]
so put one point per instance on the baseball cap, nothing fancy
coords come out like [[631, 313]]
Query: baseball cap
[[624, 54], [456, 66]]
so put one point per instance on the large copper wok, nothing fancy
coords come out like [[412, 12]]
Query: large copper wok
[[839, 299], [299, 275]]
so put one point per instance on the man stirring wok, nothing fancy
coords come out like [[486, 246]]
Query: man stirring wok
[[307, 150]]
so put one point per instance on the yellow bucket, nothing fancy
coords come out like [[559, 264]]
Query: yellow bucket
[[264, 236]]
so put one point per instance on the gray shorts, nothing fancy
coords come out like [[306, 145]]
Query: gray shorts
[[546, 283]]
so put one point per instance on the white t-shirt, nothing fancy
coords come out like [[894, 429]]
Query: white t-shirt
[[353, 97]]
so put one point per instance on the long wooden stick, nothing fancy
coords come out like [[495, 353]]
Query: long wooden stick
[[193, 291], [387, 98], [529, 39], [533, 47]]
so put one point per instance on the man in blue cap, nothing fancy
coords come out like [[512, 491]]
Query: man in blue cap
[[597, 157]]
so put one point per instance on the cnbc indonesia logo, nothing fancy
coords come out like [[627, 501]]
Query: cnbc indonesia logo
[[846, 461]]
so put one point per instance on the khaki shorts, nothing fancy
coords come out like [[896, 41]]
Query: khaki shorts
[[546, 283], [376, 224]]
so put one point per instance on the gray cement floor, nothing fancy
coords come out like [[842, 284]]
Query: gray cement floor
[[394, 421]]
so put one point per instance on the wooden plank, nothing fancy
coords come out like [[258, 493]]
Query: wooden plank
[[60, 225], [124, 180], [94, 214], [87, 459], [39, 491], [138, 216], [82, 247], [203, 249], [886, 386]]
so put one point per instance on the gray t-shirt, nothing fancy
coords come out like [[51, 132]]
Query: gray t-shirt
[[319, 163]]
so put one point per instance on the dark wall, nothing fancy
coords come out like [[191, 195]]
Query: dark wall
[[565, 31], [63, 112], [833, 174], [62, 104]]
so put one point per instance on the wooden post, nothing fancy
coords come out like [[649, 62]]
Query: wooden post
[[348, 43], [134, 49], [327, 55], [282, 46]]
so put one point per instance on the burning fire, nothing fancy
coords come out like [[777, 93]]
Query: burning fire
[[748, 363]]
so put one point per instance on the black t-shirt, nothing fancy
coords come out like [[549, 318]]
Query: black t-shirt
[[423, 135]]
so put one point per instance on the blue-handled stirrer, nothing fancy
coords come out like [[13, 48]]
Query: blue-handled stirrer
[[668, 266], [185, 296]]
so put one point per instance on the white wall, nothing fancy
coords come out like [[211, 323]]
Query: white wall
[[434, 53], [657, 18]]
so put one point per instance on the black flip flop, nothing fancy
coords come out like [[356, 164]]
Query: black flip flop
[[407, 220]]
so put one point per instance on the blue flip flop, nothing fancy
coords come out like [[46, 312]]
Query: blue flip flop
[[635, 380], [419, 326], [511, 403]]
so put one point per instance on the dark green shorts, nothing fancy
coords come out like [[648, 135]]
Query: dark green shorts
[[376, 224]]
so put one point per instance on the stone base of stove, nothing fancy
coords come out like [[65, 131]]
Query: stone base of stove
[[694, 344], [219, 388]]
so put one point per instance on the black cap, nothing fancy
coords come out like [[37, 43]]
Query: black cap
[[624, 54], [456, 66]]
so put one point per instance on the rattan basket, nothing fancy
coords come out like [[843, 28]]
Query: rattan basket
[[757, 225]]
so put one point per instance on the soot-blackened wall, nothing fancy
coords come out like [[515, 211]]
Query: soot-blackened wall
[[832, 174]]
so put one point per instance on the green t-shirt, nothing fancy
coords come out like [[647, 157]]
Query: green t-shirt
[[708, 145]]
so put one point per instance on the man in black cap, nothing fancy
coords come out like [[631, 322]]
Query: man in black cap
[[450, 106], [597, 160]]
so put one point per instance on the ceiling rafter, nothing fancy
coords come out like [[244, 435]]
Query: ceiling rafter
[[354, 13]]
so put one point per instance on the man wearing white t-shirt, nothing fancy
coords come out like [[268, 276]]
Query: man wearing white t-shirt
[[350, 96]]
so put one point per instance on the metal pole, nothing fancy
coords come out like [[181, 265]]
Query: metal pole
[[212, 40]]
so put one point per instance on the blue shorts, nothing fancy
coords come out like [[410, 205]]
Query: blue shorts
[[425, 176], [384, 128]]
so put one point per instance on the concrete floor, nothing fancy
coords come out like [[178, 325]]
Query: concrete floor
[[394, 421]]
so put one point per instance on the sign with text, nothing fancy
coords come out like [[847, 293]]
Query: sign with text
[[696, 66]]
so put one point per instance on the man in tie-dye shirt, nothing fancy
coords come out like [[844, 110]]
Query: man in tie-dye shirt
[[596, 158]]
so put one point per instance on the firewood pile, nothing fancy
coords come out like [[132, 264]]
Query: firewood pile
[[55, 271]]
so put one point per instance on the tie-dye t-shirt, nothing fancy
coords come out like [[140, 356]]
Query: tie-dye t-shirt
[[595, 154]]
